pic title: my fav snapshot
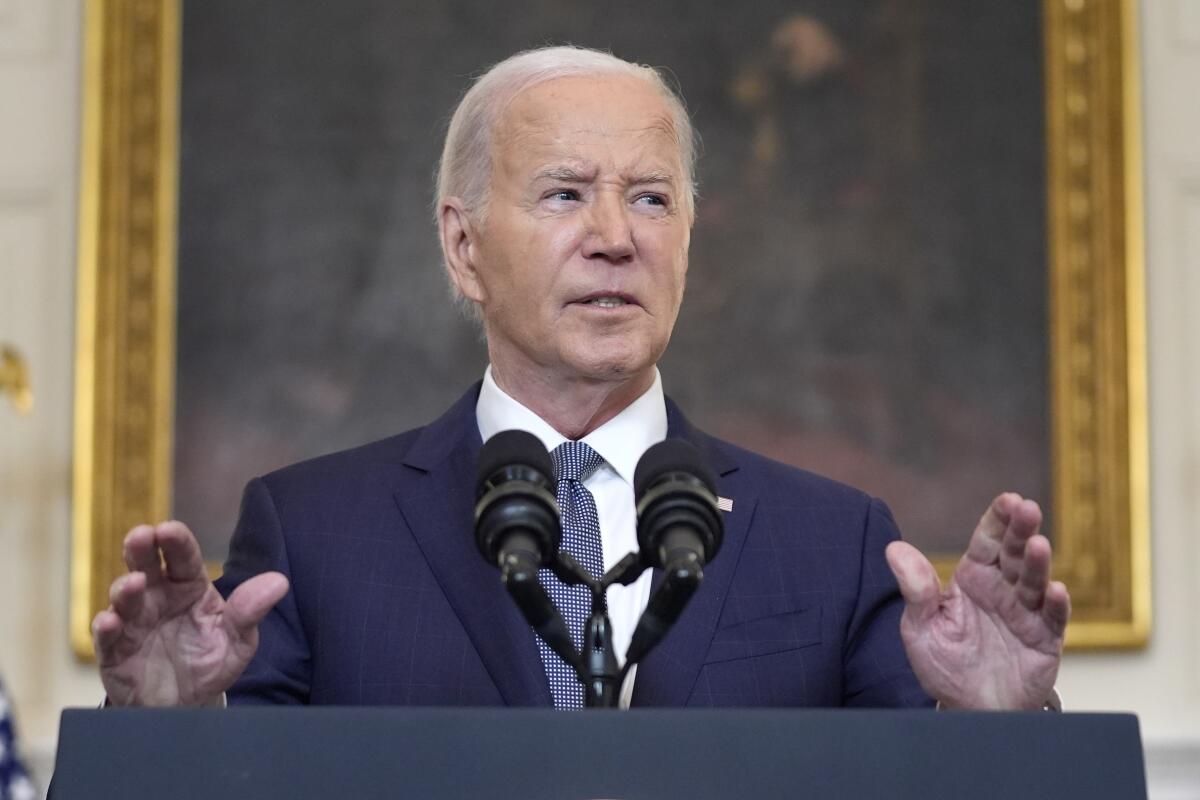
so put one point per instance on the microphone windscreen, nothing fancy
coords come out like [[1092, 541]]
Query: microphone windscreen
[[671, 455], [513, 447]]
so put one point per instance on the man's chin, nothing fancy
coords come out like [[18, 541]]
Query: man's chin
[[617, 366]]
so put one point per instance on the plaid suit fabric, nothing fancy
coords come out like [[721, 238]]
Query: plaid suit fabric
[[392, 604]]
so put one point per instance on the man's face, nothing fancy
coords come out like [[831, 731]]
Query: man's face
[[581, 259]]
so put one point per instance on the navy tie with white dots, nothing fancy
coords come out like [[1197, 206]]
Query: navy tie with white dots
[[573, 463]]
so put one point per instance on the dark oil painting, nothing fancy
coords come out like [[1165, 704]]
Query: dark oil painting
[[867, 290]]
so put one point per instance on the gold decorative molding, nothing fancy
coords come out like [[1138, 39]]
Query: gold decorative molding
[[125, 348], [1101, 516], [125, 358], [1097, 302]]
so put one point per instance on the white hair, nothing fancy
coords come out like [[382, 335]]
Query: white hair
[[466, 165]]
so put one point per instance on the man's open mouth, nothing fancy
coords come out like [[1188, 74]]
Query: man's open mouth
[[607, 300]]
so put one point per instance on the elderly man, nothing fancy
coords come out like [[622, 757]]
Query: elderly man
[[565, 206]]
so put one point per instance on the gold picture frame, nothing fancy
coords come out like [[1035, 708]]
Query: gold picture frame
[[125, 358]]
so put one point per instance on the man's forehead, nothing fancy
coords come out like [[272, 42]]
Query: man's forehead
[[554, 119]]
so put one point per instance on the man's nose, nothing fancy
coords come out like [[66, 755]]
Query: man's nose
[[609, 234]]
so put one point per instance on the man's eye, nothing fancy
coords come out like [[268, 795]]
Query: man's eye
[[563, 194], [651, 200]]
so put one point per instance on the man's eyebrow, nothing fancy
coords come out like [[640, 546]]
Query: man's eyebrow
[[642, 178], [565, 174]]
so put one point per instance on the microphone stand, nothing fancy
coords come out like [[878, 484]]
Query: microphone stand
[[597, 668]]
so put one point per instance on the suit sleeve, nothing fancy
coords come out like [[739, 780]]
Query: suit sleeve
[[877, 672], [281, 670]]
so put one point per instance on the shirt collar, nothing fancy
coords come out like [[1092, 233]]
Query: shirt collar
[[621, 441]]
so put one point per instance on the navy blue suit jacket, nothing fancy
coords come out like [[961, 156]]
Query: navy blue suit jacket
[[391, 603]]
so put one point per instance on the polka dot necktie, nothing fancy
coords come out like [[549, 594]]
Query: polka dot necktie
[[573, 463]]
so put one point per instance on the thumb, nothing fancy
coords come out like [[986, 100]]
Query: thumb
[[919, 583], [251, 601]]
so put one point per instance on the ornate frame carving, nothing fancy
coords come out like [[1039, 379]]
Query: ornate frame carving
[[125, 337], [1097, 302], [125, 358]]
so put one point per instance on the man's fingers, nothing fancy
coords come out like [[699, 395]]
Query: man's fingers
[[1056, 608], [984, 547], [918, 579], [180, 550], [251, 601], [141, 554], [106, 627], [1024, 520], [119, 621], [1034, 573], [148, 547], [127, 595], [106, 632]]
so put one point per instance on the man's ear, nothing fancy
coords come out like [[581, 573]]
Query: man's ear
[[460, 247]]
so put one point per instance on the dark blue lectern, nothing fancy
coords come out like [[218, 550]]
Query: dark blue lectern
[[632, 755]]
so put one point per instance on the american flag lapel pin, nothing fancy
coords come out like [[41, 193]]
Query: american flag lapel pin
[[725, 504]]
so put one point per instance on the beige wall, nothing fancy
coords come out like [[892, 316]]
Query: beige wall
[[1162, 683], [40, 79], [39, 63], [39, 120]]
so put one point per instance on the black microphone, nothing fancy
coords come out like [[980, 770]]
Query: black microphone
[[679, 530], [516, 515], [517, 528], [679, 525]]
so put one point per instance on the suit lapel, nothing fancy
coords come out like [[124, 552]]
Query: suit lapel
[[437, 501], [668, 674]]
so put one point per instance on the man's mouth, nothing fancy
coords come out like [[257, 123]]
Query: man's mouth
[[607, 300]]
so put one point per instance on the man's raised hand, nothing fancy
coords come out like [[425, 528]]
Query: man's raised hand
[[169, 638], [993, 639]]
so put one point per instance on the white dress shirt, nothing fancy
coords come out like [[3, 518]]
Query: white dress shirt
[[620, 442]]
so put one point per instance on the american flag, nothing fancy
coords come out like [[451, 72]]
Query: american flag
[[14, 779]]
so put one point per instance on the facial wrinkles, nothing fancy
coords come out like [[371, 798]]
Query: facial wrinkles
[[613, 157], [531, 157], [549, 135], [607, 153]]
